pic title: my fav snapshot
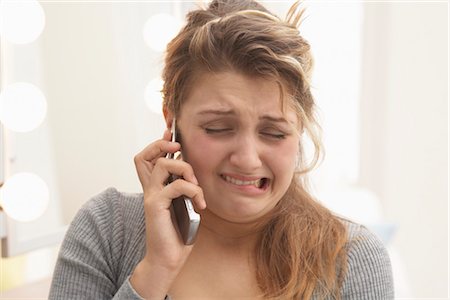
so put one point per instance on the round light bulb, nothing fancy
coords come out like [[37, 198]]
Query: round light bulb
[[153, 95], [24, 197], [22, 107], [159, 30], [21, 22]]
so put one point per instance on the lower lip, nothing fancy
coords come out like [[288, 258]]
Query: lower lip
[[246, 189]]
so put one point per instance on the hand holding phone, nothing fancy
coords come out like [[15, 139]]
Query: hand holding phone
[[187, 219], [164, 216]]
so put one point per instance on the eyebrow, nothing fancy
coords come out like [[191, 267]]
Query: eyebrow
[[217, 112], [232, 112], [274, 119]]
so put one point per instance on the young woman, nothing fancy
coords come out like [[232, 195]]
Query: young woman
[[237, 82]]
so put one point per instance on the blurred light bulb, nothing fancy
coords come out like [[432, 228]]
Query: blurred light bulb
[[22, 107], [24, 197], [153, 95], [21, 22], [159, 30]]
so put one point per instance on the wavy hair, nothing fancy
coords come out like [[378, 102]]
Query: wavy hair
[[301, 252]]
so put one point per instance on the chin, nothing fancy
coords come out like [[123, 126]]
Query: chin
[[242, 214]]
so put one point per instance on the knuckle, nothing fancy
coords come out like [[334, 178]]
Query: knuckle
[[186, 188], [160, 161], [198, 192], [199, 189], [189, 168], [178, 184], [181, 187]]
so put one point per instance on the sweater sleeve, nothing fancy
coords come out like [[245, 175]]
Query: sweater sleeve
[[369, 274], [87, 265]]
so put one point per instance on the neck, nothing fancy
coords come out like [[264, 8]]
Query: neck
[[226, 234]]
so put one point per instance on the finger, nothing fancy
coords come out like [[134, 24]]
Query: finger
[[146, 159], [182, 187], [164, 167], [158, 149]]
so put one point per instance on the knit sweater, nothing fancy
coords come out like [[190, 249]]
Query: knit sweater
[[106, 240]]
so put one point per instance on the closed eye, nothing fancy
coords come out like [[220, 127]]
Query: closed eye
[[216, 130], [278, 136]]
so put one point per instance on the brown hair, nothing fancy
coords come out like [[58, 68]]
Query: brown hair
[[301, 252]]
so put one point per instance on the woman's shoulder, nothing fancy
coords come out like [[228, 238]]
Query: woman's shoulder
[[108, 230], [361, 239], [102, 245], [369, 273], [112, 199], [111, 212], [108, 218]]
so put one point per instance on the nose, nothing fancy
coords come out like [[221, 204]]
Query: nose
[[245, 155]]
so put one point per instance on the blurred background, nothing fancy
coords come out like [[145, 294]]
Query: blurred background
[[79, 97]]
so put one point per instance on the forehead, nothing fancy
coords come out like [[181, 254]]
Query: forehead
[[234, 91]]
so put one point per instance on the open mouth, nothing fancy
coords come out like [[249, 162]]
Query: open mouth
[[260, 183]]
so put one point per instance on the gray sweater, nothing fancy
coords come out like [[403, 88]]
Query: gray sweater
[[106, 240]]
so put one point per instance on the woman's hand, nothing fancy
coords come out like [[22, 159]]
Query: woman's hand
[[165, 252]]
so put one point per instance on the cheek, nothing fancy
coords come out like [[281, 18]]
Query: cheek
[[283, 166], [200, 153], [285, 157]]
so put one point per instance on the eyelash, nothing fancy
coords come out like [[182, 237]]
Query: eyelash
[[212, 130], [276, 136], [279, 136]]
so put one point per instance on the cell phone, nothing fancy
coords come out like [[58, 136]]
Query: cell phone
[[187, 219]]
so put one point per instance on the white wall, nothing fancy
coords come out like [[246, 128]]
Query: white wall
[[96, 69], [405, 133]]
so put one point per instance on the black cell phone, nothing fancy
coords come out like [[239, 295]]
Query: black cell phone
[[188, 220]]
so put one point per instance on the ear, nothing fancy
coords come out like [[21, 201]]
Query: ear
[[168, 116]]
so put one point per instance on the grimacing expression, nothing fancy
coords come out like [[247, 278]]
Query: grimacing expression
[[240, 143]]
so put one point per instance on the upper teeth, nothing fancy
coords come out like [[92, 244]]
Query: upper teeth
[[256, 182]]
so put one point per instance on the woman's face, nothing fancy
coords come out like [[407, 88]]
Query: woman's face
[[240, 144]]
